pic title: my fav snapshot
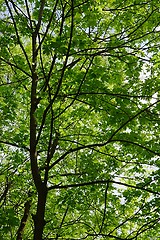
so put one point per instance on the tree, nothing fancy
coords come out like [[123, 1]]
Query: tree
[[79, 119]]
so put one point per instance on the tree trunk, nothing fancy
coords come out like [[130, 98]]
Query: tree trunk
[[39, 221]]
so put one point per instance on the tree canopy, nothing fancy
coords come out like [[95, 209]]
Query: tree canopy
[[79, 119]]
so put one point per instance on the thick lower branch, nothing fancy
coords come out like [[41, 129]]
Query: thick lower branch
[[7, 187], [20, 231]]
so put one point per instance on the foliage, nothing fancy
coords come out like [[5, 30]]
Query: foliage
[[79, 144]]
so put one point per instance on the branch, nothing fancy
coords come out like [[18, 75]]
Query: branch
[[131, 118], [108, 94], [7, 187], [21, 228], [148, 225], [136, 144], [17, 34], [108, 236], [20, 10], [67, 54], [40, 17], [124, 8], [14, 145], [14, 65], [29, 15], [74, 185], [108, 141], [127, 219], [61, 77], [77, 94], [57, 235], [105, 207], [48, 26], [140, 25]]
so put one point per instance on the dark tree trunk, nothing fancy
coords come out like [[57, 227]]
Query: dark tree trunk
[[39, 221]]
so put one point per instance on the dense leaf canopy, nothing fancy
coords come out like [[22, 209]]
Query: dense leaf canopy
[[79, 119]]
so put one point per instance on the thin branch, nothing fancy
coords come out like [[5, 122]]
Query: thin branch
[[52, 143], [105, 207], [136, 144], [41, 60], [143, 22], [127, 96], [49, 74], [57, 235], [130, 119], [76, 95], [14, 65], [17, 34], [29, 15], [67, 54], [148, 225], [124, 8], [108, 236], [108, 141], [61, 77], [48, 26], [14, 145], [74, 185], [16, 7]]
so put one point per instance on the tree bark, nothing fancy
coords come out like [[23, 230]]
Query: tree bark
[[20, 231], [39, 221]]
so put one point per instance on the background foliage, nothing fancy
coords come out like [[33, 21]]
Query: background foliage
[[79, 119]]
